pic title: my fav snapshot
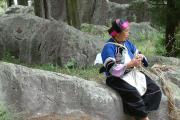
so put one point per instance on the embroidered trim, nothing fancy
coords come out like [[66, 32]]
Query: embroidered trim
[[153, 92]]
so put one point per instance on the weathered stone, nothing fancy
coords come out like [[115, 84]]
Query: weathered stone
[[19, 9], [90, 11], [93, 11], [118, 11], [143, 28], [40, 93], [122, 1], [163, 60], [36, 40], [57, 9], [133, 11], [100, 12]]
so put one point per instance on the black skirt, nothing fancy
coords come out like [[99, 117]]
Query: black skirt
[[134, 104]]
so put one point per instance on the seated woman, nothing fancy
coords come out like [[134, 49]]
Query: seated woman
[[121, 58]]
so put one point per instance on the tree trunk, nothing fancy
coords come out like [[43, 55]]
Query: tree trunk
[[23, 2], [72, 13], [171, 24], [10, 2], [41, 8]]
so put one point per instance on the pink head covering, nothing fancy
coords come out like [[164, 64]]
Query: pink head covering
[[118, 26]]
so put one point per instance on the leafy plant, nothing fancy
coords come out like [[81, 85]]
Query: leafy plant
[[4, 113], [10, 58], [71, 63], [2, 6], [178, 41]]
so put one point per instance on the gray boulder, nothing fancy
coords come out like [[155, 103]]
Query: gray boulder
[[122, 1], [135, 11], [93, 11], [137, 30], [57, 9], [38, 93], [101, 12], [19, 9], [35, 40], [90, 11], [118, 11], [163, 60]]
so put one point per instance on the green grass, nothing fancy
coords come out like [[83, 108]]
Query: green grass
[[2, 6], [5, 113], [178, 41], [89, 73], [150, 43], [7, 57]]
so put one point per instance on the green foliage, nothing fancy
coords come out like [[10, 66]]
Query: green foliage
[[71, 63], [49, 67], [165, 13], [150, 44], [158, 15], [70, 68], [139, 6], [10, 113], [88, 73], [4, 113], [160, 47], [178, 41], [2, 6], [10, 58], [99, 31]]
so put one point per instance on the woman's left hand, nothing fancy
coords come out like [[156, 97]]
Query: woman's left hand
[[139, 56]]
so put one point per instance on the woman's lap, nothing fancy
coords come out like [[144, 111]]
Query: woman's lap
[[134, 104]]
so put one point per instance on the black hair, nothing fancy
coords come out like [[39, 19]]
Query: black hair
[[116, 27]]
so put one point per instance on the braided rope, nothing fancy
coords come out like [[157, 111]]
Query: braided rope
[[174, 112]]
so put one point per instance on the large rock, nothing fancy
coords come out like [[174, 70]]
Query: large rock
[[136, 11], [39, 92], [101, 12], [164, 60], [90, 11], [57, 9], [19, 9], [94, 11], [137, 30], [122, 1], [170, 71], [36, 40], [118, 11]]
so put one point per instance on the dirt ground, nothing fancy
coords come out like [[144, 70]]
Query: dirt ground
[[57, 117]]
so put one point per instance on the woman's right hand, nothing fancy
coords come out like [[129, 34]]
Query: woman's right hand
[[136, 62]]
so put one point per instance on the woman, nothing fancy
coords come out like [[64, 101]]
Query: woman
[[121, 58]]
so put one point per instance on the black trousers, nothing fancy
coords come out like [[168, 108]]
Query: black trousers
[[134, 104]]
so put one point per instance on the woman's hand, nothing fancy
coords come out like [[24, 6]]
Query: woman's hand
[[139, 56], [136, 62]]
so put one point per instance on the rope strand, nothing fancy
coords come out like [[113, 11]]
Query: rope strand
[[174, 112]]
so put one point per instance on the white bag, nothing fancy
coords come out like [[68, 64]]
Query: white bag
[[137, 80]]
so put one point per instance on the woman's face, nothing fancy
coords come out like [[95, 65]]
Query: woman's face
[[121, 37]]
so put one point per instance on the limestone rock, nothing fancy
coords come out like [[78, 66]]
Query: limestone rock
[[39, 92], [35, 40]]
